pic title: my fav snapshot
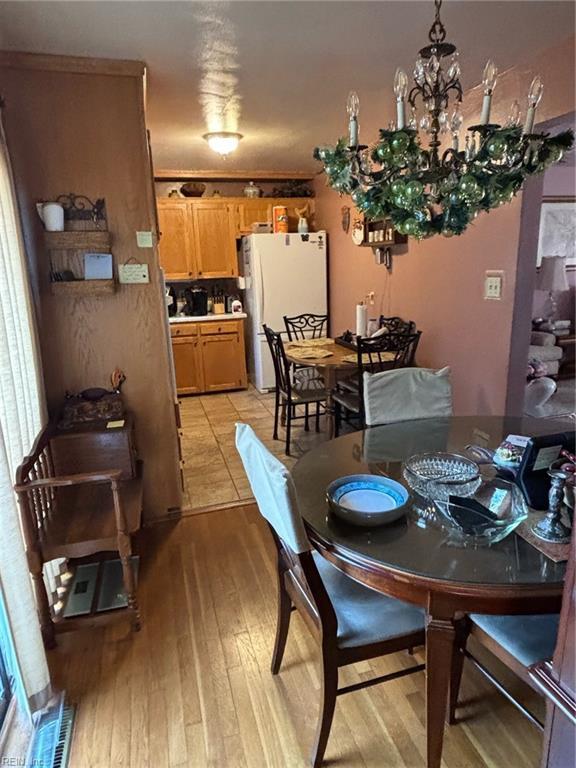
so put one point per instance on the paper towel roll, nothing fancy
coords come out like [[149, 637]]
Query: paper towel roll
[[361, 320]]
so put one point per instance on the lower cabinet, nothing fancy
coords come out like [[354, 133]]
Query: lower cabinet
[[209, 357]]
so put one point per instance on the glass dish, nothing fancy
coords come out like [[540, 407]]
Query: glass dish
[[488, 515], [440, 475]]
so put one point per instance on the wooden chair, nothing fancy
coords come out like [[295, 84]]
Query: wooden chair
[[387, 352], [518, 641], [76, 516], [306, 326], [350, 621], [289, 393]]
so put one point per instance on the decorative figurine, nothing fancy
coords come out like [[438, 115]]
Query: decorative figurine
[[302, 214]]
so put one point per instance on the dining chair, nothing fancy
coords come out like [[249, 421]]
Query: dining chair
[[406, 394], [351, 622], [396, 324], [306, 326], [386, 352], [518, 641], [289, 393]]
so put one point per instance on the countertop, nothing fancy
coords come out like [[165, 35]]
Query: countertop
[[204, 318]]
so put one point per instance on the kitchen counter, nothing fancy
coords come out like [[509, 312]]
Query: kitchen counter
[[204, 318]]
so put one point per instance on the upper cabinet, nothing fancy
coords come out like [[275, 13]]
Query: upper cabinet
[[176, 245], [215, 238], [198, 235]]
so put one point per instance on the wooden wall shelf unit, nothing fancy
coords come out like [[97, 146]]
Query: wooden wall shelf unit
[[81, 240], [179, 175], [83, 288], [381, 228]]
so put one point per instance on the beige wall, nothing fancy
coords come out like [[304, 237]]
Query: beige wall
[[439, 282], [84, 132]]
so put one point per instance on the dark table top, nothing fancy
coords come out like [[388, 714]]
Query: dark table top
[[411, 545]]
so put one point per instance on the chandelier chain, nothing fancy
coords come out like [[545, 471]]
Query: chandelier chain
[[437, 32]]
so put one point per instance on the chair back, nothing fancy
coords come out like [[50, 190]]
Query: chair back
[[275, 494], [281, 364], [391, 350], [406, 394], [306, 326], [397, 325]]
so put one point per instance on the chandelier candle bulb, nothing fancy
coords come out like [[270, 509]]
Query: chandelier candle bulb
[[400, 89], [489, 82], [353, 108], [534, 98]]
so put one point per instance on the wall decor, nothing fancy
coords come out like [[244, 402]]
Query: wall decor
[[557, 235], [439, 189], [345, 211], [81, 208]]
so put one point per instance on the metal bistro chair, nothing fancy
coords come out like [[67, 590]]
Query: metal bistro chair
[[383, 353], [306, 326], [288, 393], [350, 621], [396, 324]]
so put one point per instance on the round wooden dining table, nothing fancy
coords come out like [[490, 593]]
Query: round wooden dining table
[[415, 559], [330, 367]]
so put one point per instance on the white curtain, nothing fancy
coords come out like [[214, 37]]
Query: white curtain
[[21, 418]]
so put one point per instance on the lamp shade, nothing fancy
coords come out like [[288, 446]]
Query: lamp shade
[[552, 275]]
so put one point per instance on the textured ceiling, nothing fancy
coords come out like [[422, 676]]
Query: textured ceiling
[[278, 72]]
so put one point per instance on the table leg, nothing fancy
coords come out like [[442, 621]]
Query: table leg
[[330, 381], [440, 642]]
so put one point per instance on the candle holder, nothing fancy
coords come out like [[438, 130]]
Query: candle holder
[[551, 528]]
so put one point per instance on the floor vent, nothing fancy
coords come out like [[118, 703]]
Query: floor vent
[[52, 736], [62, 751]]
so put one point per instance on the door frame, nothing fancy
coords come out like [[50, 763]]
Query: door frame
[[526, 280]]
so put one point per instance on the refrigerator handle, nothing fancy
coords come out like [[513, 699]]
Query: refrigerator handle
[[261, 288]]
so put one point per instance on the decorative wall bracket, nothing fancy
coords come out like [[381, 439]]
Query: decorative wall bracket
[[81, 208]]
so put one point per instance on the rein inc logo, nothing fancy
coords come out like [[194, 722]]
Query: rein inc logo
[[35, 762]]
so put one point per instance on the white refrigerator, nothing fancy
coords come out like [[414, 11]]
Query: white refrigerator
[[285, 274]]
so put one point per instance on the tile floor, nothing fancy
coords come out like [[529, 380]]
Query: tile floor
[[213, 473]]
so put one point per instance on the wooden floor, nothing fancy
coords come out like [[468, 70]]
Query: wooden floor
[[193, 688]]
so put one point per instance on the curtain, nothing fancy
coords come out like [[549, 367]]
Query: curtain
[[22, 414]]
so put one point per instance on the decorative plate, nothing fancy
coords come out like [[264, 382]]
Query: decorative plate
[[367, 500]]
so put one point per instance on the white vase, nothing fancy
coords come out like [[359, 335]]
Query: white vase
[[52, 215]]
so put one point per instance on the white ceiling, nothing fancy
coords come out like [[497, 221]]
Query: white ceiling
[[283, 69]]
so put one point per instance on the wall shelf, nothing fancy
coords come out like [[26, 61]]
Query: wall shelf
[[233, 175], [81, 240], [83, 288]]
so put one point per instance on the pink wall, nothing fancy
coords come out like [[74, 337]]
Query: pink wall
[[439, 282]]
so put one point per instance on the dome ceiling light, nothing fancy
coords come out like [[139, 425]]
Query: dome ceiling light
[[223, 142], [430, 191]]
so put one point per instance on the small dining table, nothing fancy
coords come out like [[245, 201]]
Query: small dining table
[[330, 367], [415, 558]]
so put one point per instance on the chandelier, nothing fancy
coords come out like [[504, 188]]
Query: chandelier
[[439, 189]]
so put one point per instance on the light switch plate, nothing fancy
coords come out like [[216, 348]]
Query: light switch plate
[[493, 284], [144, 239]]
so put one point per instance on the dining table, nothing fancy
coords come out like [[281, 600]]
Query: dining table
[[416, 559], [340, 360]]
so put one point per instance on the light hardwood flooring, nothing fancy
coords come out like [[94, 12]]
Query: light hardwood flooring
[[213, 472], [193, 689]]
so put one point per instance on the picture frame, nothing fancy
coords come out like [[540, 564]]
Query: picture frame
[[557, 233]]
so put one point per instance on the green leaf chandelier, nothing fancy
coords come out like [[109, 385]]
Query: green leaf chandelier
[[434, 191]]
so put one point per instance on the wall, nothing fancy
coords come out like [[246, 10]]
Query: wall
[[78, 125], [439, 282]]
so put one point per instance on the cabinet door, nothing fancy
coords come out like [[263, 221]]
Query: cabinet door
[[223, 362], [176, 241], [252, 211], [188, 365], [215, 239]]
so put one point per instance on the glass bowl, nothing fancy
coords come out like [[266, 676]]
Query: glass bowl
[[487, 516], [440, 475]]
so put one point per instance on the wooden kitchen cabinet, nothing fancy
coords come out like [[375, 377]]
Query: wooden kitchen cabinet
[[215, 239], [209, 356], [176, 247]]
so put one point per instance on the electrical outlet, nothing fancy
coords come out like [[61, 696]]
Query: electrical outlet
[[493, 284], [370, 297]]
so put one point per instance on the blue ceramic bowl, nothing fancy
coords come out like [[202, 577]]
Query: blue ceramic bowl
[[367, 500]]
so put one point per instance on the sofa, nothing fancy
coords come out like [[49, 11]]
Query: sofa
[[544, 349]]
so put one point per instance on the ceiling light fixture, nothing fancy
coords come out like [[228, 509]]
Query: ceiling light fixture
[[223, 142], [432, 191]]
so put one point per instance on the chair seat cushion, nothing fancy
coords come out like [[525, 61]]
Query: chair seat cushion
[[527, 638], [349, 400], [364, 615]]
